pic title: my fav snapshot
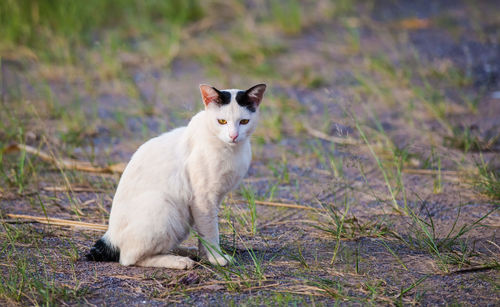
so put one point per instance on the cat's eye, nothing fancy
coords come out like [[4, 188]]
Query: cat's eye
[[244, 121], [222, 121]]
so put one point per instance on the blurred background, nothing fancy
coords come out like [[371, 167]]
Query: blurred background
[[90, 68]]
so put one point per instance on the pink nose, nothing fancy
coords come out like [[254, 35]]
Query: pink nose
[[233, 136]]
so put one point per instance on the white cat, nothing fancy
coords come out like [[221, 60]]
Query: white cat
[[176, 181]]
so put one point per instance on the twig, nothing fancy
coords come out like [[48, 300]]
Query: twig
[[66, 163], [71, 189], [58, 222], [256, 179], [331, 138], [476, 269], [16, 221], [431, 172], [274, 204]]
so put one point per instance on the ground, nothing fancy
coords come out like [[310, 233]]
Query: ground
[[374, 178]]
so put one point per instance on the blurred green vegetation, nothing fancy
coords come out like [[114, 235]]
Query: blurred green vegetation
[[232, 32], [234, 35], [32, 22]]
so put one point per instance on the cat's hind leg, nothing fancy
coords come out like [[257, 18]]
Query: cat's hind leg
[[167, 261], [134, 257], [136, 254], [155, 227]]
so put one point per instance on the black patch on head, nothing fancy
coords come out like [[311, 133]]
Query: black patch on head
[[224, 97], [103, 251], [243, 100]]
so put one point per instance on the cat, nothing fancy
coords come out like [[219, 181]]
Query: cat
[[176, 181]]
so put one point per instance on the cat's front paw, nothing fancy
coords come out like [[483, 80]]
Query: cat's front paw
[[184, 263], [221, 260]]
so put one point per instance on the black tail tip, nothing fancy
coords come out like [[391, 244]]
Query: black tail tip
[[103, 251]]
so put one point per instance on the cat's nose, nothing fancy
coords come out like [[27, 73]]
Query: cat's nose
[[233, 136]]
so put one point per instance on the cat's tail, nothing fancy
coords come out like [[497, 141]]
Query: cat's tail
[[103, 250]]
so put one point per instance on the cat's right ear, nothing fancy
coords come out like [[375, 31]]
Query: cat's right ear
[[209, 94]]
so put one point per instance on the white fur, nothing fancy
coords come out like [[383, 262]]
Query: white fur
[[176, 181]]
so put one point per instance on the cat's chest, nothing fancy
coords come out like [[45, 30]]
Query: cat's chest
[[228, 175], [232, 164], [220, 169]]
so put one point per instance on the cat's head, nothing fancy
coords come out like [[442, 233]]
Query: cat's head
[[232, 114]]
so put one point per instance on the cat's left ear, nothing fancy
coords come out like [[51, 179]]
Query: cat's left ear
[[255, 93]]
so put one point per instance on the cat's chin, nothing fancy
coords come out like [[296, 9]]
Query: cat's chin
[[233, 143]]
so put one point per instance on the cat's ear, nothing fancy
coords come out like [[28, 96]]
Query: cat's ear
[[209, 94], [255, 93]]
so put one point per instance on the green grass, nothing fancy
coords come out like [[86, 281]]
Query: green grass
[[17, 172], [341, 226], [465, 140], [398, 301], [28, 279], [382, 169], [333, 288], [31, 23], [238, 275], [25, 282], [488, 180], [249, 194], [451, 250], [269, 299], [299, 257], [288, 15]]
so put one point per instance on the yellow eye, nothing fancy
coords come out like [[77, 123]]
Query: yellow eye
[[222, 121], [244, 121]]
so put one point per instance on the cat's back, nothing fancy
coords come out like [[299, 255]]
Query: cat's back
[[163, 142], [157, 150], [154, 164]]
